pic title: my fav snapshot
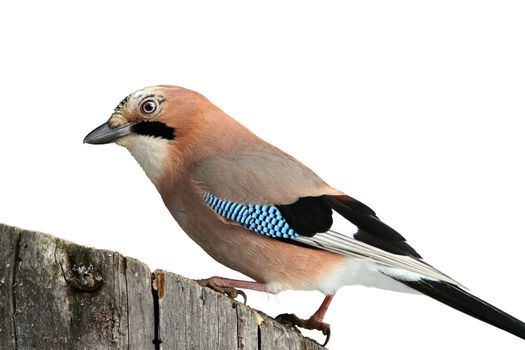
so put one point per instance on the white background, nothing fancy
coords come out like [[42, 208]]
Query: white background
[[415, 108]]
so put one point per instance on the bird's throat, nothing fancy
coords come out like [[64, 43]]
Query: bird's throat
[[150, 152]]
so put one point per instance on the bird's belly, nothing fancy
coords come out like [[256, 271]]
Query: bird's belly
[[277, 264], [357, 271]]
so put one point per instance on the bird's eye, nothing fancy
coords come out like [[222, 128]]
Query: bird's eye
[[149, 106]]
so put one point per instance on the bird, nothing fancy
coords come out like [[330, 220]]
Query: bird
[[257, 210]]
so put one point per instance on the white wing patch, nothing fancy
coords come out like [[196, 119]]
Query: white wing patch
[[342, 224], [394, 265]]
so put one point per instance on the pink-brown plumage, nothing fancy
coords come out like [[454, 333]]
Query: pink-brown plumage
[[189, 148], [213, 152], [275, 263]]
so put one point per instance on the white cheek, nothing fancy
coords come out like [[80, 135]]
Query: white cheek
[[150, 152]]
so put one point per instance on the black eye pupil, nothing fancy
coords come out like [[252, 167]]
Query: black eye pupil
[[149, 107]]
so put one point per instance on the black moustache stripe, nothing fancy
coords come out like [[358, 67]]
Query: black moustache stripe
[[156, 129]]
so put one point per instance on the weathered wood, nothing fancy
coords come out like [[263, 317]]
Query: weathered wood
[[58, 295], [192, 317], [9, 238], [53, 302], [141, 318]]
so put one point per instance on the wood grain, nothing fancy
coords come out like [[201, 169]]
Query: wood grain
[[55, 294]]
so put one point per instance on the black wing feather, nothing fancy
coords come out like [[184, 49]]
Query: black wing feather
[[308, 215], [311, 215], [371, 230]]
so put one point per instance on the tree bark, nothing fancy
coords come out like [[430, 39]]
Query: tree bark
[[55, 294]]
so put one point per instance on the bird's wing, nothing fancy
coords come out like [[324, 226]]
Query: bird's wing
[[270, 193], [259, 174]]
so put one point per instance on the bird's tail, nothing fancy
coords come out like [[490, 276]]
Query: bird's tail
[[465, 302]]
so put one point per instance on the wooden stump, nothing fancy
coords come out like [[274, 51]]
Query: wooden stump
[[55, 294]]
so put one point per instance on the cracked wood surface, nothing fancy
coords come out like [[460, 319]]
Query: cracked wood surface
[[53, 304], [55, 294]]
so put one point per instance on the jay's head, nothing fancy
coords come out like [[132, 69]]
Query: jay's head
[[166, 128], [151, 113]]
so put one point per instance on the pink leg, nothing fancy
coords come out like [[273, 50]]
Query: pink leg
[[228, 286], [314, 322], [319, 314]]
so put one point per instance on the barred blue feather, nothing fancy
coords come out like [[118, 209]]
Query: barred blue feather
[[263, 219]]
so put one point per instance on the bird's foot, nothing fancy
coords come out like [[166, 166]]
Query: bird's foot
[[218, 284], [312, 323]]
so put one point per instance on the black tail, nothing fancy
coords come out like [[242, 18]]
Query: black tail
[[465, 302]]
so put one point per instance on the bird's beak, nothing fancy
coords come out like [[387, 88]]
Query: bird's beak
[[104, 134]]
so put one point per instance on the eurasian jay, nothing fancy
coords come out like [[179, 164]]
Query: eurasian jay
[[259, 211]]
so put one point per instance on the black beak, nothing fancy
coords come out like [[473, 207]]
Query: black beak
[[104, 134]]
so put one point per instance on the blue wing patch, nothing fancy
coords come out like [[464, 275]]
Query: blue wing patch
[[263, 219]]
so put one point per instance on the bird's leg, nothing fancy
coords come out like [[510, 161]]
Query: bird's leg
[[229, 286], [314, 322]]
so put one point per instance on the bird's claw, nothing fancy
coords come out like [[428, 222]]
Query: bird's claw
[[226, 290], [312, 323], [232, 292], [243, 295]]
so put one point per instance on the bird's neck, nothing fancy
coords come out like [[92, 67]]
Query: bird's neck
[[151, 153]]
